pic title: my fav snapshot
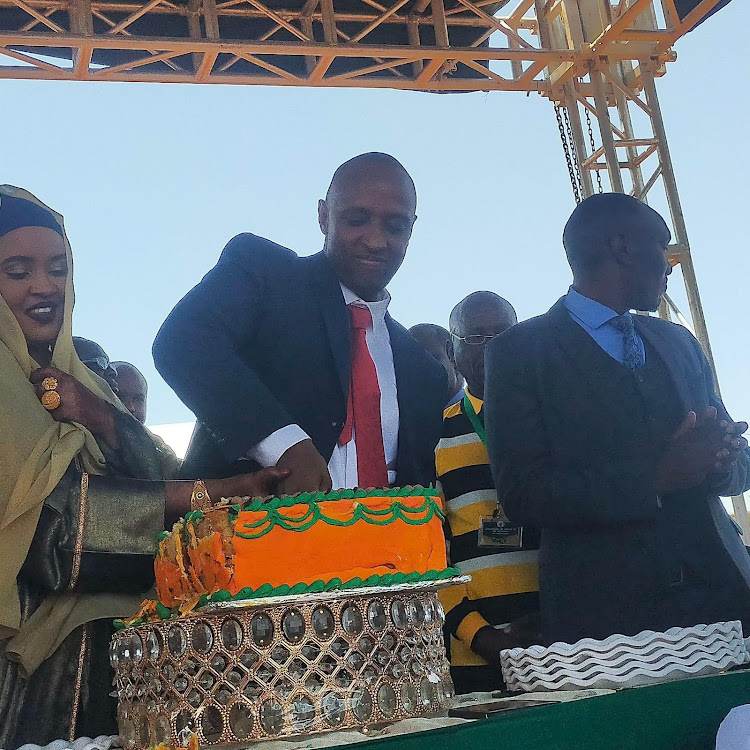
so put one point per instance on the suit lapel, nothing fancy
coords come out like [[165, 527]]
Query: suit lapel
[[583, 353], [674, 358], [335, 317], [407, 388]]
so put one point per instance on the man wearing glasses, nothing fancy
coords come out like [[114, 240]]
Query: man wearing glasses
[[96, 359], [497, 609]]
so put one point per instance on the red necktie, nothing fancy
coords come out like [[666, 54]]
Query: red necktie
[[363, 406]]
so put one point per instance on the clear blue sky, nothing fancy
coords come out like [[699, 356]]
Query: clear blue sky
[[155, 179]]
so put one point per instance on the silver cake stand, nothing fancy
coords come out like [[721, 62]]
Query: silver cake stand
[[238, 672]]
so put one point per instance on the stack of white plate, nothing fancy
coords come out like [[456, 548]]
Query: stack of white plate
[[626, 661]]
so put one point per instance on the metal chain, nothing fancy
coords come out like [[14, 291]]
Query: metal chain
[[569, 133], [574, 181], [593, 148]]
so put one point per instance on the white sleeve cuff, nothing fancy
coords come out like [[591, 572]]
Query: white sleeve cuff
[[269, 450]]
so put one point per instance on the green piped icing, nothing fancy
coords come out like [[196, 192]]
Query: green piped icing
[[317, 497], [274, 517], [161, 536], [267, 591]]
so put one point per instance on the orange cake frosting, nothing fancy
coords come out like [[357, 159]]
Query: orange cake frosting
[[309, 542]]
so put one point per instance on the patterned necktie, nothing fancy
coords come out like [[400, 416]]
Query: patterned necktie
[[633, 353], [363, 406]]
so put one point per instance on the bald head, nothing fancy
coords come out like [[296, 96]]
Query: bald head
[[367, 218], [481, 304], [435, 339], [132, 389], [617, 244], [370, 166], [474, 322]]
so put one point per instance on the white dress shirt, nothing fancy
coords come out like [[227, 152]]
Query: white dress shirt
[[343, 463]]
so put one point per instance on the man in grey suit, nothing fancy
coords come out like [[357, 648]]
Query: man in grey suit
[[605, 430]]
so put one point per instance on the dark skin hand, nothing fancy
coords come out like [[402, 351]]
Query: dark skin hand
[[260, 484], [307, 470], [79, 404], [521, 633], [734, 443], [700, 447]]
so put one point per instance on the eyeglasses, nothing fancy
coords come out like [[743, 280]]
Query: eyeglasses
[[475, 339], [101, 366]]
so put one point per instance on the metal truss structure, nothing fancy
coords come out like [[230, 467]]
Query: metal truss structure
[[435, 45], [597, 60]]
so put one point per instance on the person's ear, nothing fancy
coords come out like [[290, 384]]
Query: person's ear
[[323, 216], [449, 351], [620, 249]]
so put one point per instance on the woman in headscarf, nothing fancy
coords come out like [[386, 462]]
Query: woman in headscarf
[[81, 496]]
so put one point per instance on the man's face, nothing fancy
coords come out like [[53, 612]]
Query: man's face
[[367, 222], [480, 326], [650, 269], [133, 392]]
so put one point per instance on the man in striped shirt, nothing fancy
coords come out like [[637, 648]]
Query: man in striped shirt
[[498, 608]]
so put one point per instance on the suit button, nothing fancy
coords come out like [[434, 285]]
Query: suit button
[[336, 425], [639, 378]]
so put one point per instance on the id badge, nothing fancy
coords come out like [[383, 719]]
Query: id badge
[[494, 533]]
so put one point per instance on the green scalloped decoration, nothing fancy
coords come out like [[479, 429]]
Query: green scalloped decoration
[[267, 591], [397, 511], [287, 501]]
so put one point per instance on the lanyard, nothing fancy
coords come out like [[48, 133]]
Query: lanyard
[[474, 419]]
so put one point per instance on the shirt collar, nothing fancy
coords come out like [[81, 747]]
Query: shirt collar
[[594, 314], [377, 309], [477, 403]]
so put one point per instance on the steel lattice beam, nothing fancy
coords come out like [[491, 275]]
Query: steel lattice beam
[[435, 45]]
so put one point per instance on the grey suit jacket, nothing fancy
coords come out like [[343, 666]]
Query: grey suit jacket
[[569, 457]]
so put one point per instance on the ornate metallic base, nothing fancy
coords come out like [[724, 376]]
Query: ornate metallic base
[[265, 670]]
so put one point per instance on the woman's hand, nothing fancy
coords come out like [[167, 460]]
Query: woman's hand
[[78, 404], [259, 484]]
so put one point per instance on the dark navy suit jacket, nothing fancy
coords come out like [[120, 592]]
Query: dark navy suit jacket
[[263, 341], [571, 457]]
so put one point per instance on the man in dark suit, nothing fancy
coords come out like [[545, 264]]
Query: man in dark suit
[[294, 362], [605, 430]]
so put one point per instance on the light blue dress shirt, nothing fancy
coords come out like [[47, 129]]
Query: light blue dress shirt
[[595, 319]]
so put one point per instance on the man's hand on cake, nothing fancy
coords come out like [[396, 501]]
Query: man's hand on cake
[[74, 403], [308, 470], [259, 484]]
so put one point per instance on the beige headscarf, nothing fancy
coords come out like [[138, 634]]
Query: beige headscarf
[[35, 452]]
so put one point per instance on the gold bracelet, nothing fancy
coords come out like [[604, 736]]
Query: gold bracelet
[[200, 499]]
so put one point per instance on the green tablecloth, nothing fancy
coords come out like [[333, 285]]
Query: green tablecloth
[[682, 715]]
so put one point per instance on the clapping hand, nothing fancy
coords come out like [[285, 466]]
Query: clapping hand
[[701, 446], [733, 443]]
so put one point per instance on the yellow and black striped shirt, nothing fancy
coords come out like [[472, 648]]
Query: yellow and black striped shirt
[[504, 584]]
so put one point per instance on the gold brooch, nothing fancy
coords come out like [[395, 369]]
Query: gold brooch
[[51, 399], [200, 499], [49, 384]]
